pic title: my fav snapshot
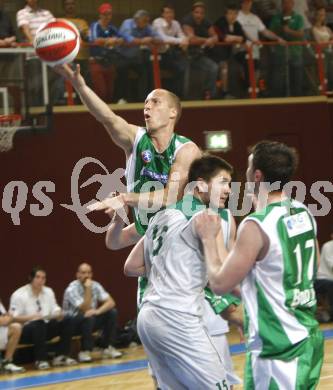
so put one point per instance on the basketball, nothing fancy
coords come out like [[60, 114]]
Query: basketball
[[57, 42]]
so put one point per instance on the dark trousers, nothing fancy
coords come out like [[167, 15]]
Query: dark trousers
[[39, 332], [86, 326], [140, 63], [325, 287], [175, 60], [103, 80]]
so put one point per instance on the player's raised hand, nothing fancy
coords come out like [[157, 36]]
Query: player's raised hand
[[111, 205], [72, 75], [207, 224]]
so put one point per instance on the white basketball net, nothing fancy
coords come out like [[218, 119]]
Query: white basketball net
[[8, 127]]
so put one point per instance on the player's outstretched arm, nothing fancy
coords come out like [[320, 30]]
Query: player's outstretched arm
[[135, 262], [174, 190], [121, 132], [226, 270]]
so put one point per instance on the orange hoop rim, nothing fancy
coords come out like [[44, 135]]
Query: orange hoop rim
[[10, 118]]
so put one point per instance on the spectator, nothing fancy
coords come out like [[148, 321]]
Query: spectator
[[253, 27], [201, 35], [289, 26], [29, 19], [83, 27], [10, 333], [139, 36], [228, 30], [91, 309], [266, 9], [174, 52], [324, 283], [103, 68], [9, 63], [302, 8], [34, 305], [323, 34]]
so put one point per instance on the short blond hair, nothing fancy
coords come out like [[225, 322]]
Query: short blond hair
[[175, 102]]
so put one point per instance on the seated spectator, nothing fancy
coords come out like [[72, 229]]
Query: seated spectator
[[253, 27], [35, 307], [323, 34], [83, 27], [91, 309], [139, 36], [174, 52], [324, 282], [29, 19], [10, 333], [103, 68], [9, 63], [202, 36], [228, 30], [287, 67]]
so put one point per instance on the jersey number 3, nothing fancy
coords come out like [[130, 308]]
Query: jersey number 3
[[158, 237]]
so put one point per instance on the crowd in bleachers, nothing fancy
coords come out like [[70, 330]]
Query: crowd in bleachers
[[117, 62], [34, 318]]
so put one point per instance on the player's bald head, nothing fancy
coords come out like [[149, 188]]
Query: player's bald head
[[173, 101]]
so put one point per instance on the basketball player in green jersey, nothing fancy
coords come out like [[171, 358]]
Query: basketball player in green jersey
[[153, 154], [275, 259]]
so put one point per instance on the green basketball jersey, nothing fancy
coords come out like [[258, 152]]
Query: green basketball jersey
[[278, 292], [145, 165]]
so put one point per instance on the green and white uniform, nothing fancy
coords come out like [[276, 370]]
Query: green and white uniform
[[170, 325], [283, 337], [146, 165]]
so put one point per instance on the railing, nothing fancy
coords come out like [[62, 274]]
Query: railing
[[317, 49]]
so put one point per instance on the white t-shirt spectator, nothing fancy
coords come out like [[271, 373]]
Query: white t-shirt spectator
[[169, 33], [325, 270], [33, 18], [252, 26], [24, 302], [3, 331]]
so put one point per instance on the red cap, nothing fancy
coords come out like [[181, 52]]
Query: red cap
[[105, 7]]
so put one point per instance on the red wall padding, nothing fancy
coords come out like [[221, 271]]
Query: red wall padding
[[59, 242]]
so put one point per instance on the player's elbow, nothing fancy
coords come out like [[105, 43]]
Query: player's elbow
[[218, 287], [129, 269], [112, 246]]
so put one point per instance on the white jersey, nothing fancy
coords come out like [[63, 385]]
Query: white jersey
[[279, 288], [174, 262], [177, 276], [214, 323]]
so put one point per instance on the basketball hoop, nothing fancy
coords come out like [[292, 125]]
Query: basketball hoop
[[8, 127]]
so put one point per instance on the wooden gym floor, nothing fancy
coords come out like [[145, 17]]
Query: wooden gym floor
[[130, 371]]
